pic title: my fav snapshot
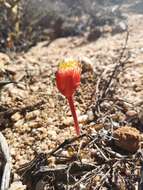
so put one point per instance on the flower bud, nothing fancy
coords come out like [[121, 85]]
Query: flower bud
[[68, 76]]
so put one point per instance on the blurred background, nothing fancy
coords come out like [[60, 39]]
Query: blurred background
[[25, 22]]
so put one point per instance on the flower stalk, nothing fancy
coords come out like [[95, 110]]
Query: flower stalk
[[73, 111]]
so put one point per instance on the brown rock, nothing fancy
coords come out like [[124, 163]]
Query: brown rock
[[127, 138]]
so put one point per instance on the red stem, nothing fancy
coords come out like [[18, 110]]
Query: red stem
[[72, 107]]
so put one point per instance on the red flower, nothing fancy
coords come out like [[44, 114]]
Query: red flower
[[68, 77], [67, 80]]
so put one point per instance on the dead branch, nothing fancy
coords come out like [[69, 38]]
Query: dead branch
[[116, 71]]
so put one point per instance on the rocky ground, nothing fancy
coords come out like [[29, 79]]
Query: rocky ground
[[41, 119]]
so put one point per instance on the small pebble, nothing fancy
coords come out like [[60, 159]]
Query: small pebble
[[131, 113], [90, 115], [32, 115], [15, 117], [83, 118]]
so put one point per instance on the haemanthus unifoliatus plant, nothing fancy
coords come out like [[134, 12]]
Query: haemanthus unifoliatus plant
[[67, 80]]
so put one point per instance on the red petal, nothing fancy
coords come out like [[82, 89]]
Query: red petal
[[67, 81]]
